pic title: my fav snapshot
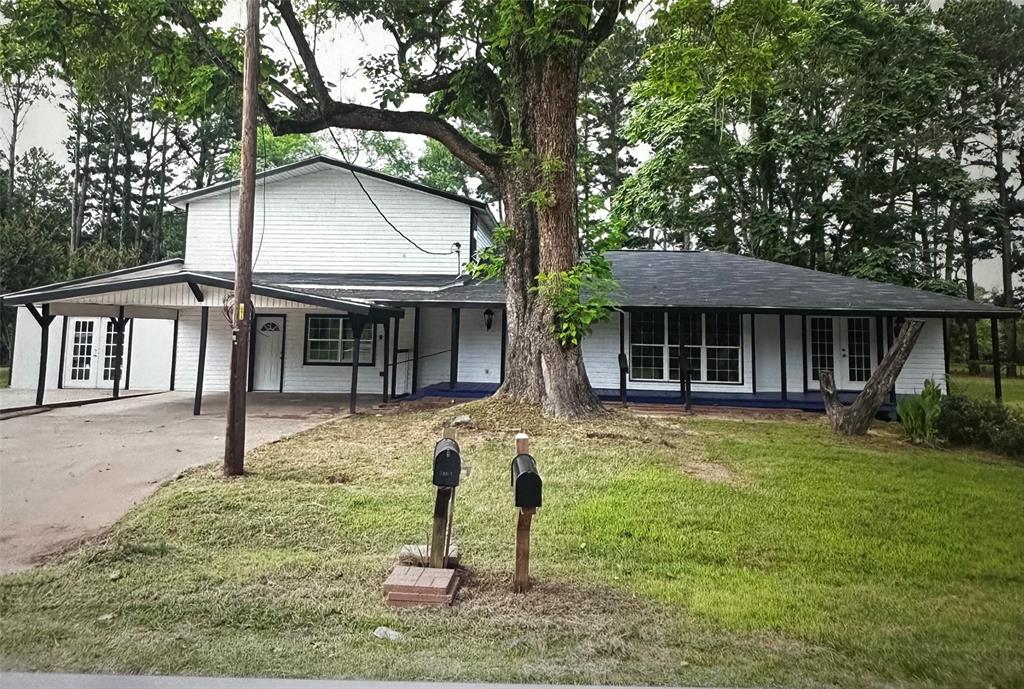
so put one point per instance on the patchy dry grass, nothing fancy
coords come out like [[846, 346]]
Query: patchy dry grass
[[669, 551]]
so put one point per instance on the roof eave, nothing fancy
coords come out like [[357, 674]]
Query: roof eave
[[99, 286], [182, 200]]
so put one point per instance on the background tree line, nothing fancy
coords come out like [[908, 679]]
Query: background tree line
[[882, 141]]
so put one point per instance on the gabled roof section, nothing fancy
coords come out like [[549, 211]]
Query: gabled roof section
[[318, 164]]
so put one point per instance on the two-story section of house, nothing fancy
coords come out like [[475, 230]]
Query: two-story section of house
[[360, 285]]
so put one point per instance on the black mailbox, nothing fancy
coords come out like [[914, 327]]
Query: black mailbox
[[526, 481], [623, 363], [447, 463]]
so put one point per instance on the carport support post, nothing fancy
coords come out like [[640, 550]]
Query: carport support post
[[997, 374], [623, 362], [394, 359], [453, 372], [357, 337], [119, 324], [204, 320], [387, 357], [782, 355], [128, 357], [43, 319]]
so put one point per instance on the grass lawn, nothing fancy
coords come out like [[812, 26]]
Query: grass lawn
[[684, 550], [5, 376], [982, 387]]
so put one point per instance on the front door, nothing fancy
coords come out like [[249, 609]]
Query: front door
[[268, 352], [90, 353], [843, 345]]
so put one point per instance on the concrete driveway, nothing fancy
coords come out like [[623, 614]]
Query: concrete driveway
[[69, 474]]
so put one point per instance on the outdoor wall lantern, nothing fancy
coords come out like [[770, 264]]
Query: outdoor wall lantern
[[488, 319]]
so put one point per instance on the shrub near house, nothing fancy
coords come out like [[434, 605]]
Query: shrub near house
[[982, 423], [957, 420]]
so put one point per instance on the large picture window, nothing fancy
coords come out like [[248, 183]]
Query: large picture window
[[329, 340], [712, 344]]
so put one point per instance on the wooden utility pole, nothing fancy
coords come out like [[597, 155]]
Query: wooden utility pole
[[241, 316]]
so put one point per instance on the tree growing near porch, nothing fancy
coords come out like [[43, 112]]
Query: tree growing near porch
[[855, 418], [510, 73], [502, 83]]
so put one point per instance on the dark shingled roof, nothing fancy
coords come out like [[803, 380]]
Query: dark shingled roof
[[718, 280], [700, 280]]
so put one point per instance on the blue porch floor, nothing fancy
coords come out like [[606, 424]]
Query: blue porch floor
[[802, 401]]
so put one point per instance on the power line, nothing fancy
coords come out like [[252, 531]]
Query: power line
[[456, 247]]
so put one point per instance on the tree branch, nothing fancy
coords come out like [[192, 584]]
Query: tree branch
[[287, 12], [195, 29], [352, 116], [605, 23]]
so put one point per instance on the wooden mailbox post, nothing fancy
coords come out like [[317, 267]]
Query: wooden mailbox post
[[526, 487], [447, 468]]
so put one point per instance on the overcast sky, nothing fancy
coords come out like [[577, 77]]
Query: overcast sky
[[338, 55]]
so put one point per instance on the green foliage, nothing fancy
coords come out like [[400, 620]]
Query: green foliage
[[579, 297], [490, 263], [832, 134], [919, 414], [982, 423], [583, 296], [605, 159]]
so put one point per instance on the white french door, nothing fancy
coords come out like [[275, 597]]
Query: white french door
[[90, 353], [847, 346]]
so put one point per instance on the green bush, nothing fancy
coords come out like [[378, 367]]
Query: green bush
[[983, 423], [919, 415]]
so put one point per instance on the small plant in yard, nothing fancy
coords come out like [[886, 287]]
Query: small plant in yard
[[983, 423], [919, 414]]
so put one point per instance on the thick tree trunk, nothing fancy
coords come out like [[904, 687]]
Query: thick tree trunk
[[973, 353], [1006, 245], [856, 418], [545, 239]]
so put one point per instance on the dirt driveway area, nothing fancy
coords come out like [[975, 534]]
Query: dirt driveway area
[[68, 474]]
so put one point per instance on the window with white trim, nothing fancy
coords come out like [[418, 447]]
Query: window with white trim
[[712, 343], [329, 340]]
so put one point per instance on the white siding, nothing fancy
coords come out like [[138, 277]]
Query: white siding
[[322, 222], [928, 360], [298, 376], [479, 348], [218, 349], [435, 346], [601, 353], [152, 342], [25, 362], [151, 352], [769, 367], [601, 358]]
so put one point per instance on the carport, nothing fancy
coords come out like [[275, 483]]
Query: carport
[[166, 290]]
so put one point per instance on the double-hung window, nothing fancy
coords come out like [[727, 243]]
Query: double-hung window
[[711, 343], [330, 340]]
